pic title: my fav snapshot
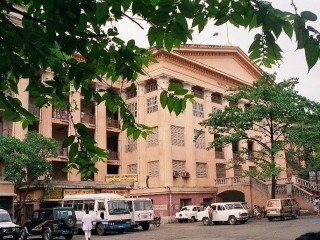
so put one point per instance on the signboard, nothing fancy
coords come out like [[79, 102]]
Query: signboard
[[121, 192], [121, 178], [73, 191], [55, 194], [162, 207]]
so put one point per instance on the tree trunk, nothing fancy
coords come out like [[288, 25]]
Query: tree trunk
[[273, 186]]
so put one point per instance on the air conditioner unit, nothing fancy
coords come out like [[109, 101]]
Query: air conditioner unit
[[176, 174], [185, 174]]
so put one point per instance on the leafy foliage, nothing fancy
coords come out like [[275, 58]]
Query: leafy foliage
[[79, 41], [271, 118], [26, 161]]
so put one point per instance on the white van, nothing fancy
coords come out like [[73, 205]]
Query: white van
[[110, 212], [142, 213]]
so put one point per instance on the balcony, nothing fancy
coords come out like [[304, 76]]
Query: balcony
[[34, 110], [113, 123], [219, 154], [87, 118], [112, 155], [61, 114]]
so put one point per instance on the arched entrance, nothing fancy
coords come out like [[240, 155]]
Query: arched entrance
[[231, 196]]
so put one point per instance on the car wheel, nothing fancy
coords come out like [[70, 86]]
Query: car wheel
[[47, 235], [70, 221], [100, 229], [180, 221], [192, 219], [145, 226], [232, 220], [270, 219], [206, 221], [68, 236]]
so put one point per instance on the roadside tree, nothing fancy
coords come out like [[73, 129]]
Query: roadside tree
[[79, 42], [26, 164], [265, 122]]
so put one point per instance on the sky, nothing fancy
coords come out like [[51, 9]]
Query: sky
[[292, 65]]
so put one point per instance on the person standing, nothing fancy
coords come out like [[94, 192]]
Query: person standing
[[210, 213], [87, 225]]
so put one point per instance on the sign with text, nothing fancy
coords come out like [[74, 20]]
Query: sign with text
[[54, 194], [121, 192], [73, 191], [121, 178]]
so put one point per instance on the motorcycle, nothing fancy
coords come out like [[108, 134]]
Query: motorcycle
[[156, 221]]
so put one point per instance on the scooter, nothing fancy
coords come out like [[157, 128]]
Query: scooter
[[156, 221]]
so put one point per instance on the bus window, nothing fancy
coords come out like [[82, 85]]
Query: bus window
[[68, 203], [88, 205], [78, 205], [101, 206]]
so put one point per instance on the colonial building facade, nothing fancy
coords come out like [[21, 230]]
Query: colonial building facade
[[171, 168]]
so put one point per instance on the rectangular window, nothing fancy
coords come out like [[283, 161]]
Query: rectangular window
[[132, 145], [198, 109], [201, 170], [177, 135], [221, 170], [200, 139], [215, 109], [198, 93], [133, 107], [152, 104], [131, 94], [178, 165], [237, 170], [153, 169], [151, 86], [216, 98], [153, 139], [185, 202], [132, 169]]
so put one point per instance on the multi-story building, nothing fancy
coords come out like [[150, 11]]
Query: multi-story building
[[171, 167]]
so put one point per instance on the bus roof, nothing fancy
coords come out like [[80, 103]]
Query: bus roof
[[104, 196], [133, 199]]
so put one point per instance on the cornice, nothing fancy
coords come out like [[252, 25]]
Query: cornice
[[224, 80]]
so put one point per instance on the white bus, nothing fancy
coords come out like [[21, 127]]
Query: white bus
[[110, 212], [142, 213]]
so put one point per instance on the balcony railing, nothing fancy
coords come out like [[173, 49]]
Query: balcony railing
[[87, 118], [6, 132], [113, 123], [112, 155], [231, 181], [219, 154], [34, 110], [60, 114]]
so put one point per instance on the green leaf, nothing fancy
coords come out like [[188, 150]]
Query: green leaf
[[163, 99], [309, 16], [312, 52], [180, 91], [177, 107], [170, 103], [68, 141], [73, 151]]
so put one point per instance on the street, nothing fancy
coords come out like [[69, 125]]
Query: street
[[252, 230]]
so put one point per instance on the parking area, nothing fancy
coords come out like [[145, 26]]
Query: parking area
[[252, 230]]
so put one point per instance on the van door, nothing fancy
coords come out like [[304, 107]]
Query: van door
[[101, 210]]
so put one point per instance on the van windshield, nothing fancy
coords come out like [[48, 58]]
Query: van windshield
[[5, 217], [273, 203], [142, 205], [118, 207]]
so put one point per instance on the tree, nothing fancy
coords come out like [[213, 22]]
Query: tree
[[26, 161], [39, 35], [271, 112]]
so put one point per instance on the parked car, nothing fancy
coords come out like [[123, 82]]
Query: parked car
[[243, 205], [9, 230], [282, 208], [52, 222], [224, 213], [188, 213]]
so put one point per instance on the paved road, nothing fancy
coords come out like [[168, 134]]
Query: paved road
[[252, 230]]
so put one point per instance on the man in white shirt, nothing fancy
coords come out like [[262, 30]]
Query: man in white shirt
[[87, 225]]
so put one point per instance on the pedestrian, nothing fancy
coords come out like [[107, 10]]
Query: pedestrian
[[318, 207], [210, 213], [87, 225]]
